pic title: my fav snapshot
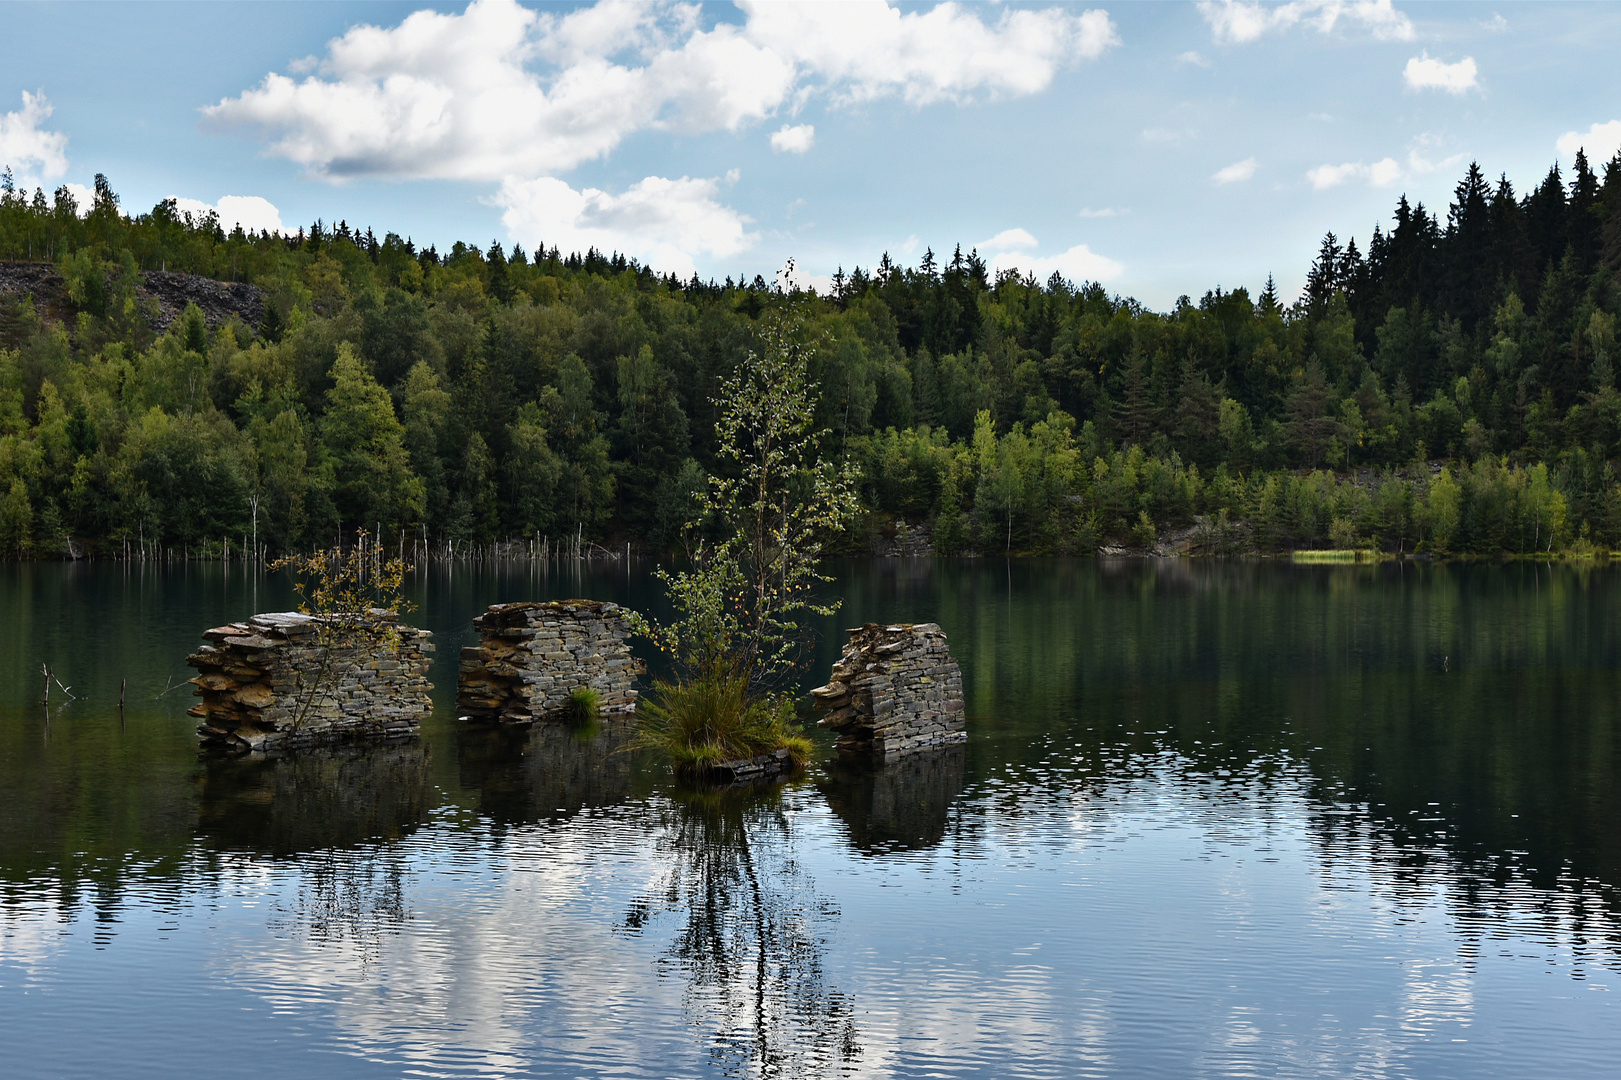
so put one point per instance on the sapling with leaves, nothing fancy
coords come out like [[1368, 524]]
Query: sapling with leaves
[[354, 599], [754, 550]]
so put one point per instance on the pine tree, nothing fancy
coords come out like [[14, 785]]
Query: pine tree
[[1268, 305], [1545, 219], [1311, 425], [1583, 224], [1512, 253], [1466, 251], [1134, 410], [1324, 279]]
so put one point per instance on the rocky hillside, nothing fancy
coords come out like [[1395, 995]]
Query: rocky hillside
[[167, 292]]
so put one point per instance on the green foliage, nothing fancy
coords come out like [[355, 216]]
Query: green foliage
[[758, 538], [471, 395], [754, 548], [370, 468]]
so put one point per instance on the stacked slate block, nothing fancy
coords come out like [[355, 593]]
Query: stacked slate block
[[532, 656], [277, 682], [895, 689]]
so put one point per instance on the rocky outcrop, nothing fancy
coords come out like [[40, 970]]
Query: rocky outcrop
[[533, 656], [287, 680], [895, 689], [220, 301], [908, 542], [164, 295]]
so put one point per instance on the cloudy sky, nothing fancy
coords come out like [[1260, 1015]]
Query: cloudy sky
[[1160, 148]]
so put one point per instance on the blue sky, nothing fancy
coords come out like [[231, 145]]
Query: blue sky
[[1162, 148]]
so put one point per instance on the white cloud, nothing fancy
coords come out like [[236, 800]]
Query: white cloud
[[1236, 22], [84, 197], [795, 139], [1102, 212], [1496, 24], [1602, 142], [1079, 263], [253, 213], [662, 222], [500, 91], [1418, 160], [1386, 171], [1008, 239], [792, 276], [1194, 58], [1237, 172], [34, 155], [862, 51], [1381, 173], [1425, 72]]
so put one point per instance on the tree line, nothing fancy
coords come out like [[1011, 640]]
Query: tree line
[[1446, 386]]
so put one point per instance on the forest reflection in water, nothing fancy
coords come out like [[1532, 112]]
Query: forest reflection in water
[[1416, 746]]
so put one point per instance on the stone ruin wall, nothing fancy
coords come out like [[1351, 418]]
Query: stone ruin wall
[[532, 656], [272, 683], [895, 689]]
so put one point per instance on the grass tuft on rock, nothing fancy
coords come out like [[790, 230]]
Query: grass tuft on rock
[[700, 722], [584, 705]]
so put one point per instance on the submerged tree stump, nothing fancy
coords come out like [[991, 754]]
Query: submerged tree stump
[[285, 680], [532, 656], [895, 689]]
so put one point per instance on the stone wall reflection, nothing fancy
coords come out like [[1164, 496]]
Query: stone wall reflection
[[526, 775], [900, 805], [316, 799]]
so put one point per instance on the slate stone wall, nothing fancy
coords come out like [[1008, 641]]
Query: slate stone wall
[[532, 656], [895, 689], [277, 681]]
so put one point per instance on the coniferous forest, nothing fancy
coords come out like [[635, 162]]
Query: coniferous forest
[[1446, 385]]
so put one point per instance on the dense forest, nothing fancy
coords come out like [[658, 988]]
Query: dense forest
[[1446, 386]]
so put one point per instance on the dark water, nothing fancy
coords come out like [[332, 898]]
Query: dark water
[[1212, 820]]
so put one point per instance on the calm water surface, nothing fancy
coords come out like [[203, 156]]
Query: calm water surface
[[1212, 820]]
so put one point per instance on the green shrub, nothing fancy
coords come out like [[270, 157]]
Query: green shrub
[[711, 718]]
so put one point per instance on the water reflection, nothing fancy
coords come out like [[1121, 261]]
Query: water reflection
[[1470, 711], [1214, 818], [749, 936], [313, 800], [900, 805], [548, 770]]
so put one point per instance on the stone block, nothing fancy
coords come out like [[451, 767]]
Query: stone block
[[568, 644], [896, 689], [283, 679]]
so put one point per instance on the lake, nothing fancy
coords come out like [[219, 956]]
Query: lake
[[1213, 819]]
